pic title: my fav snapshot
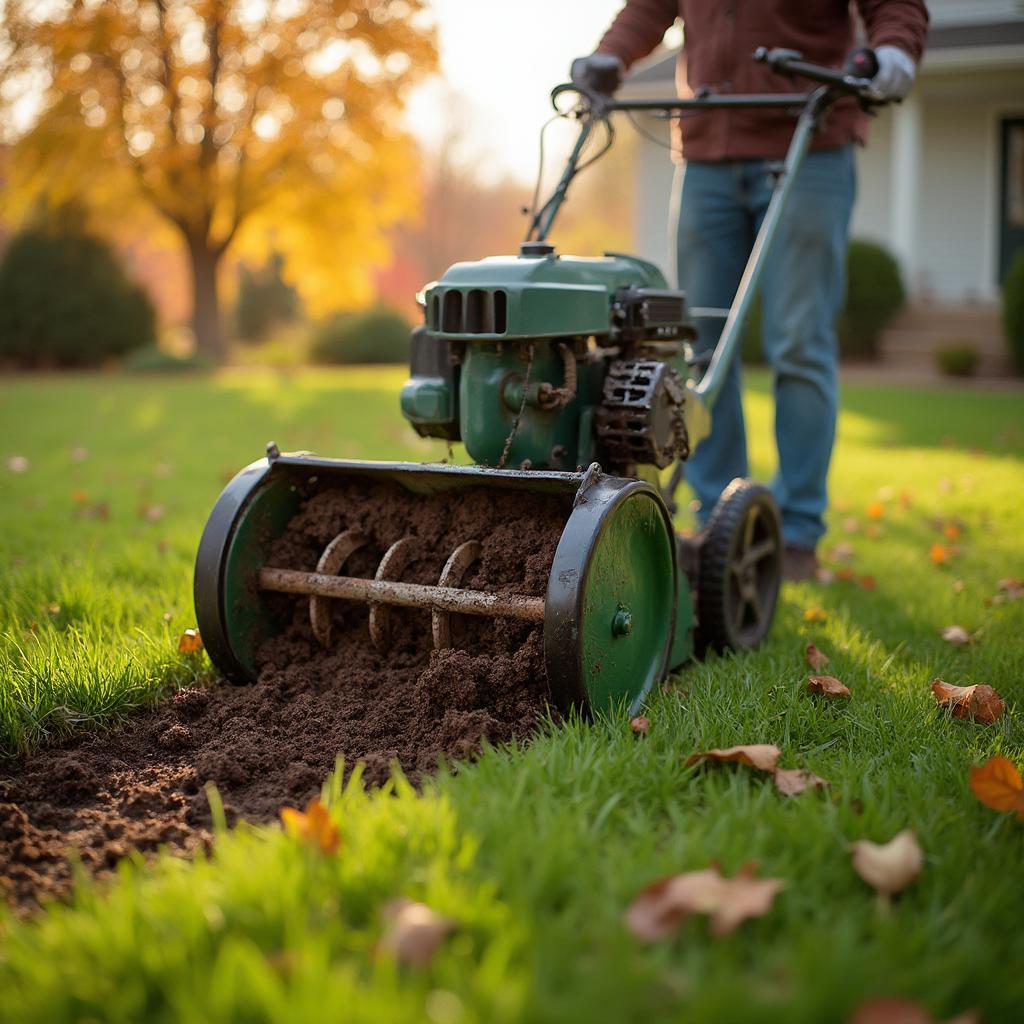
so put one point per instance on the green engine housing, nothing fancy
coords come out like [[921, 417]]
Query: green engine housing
[[516, 351]]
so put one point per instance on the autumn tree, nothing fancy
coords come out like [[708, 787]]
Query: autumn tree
[[256, 124]]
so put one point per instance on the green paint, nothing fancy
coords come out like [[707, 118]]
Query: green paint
[[630, 578]]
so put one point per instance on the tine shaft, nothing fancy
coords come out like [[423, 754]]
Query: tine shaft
[[451, 576], [406, 595], [334, 557]]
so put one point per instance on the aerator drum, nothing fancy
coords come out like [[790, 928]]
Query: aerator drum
[[615, 615]]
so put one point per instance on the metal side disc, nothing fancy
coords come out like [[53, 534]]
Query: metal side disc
[[451, 576], [395, 559], [334, 557]]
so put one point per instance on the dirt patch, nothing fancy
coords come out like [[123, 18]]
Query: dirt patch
[[272, 743]]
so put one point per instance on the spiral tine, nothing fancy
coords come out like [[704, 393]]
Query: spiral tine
[[334, 557], [395, 559], [451, 576]]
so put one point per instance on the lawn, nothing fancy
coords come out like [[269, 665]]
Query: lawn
[[535, 853]]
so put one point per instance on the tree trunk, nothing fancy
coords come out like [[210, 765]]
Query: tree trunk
[[206, 323]]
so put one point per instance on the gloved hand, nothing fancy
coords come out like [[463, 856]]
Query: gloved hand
[[599, 73], [895, 74]]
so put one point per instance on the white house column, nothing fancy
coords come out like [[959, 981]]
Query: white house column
[[904, 185]]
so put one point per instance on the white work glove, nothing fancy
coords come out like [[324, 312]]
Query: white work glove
[[895, 74]]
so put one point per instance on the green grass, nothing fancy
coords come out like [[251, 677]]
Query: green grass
[[534, 852]]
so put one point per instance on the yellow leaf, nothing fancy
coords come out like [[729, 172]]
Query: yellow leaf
[[997, 784], [314, 826]]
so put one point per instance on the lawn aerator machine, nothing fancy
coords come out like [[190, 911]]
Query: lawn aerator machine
[[566, 377]]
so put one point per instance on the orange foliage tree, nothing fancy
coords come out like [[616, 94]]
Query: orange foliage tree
[[244, 123]]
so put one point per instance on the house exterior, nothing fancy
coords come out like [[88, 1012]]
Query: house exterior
[[941, 183]]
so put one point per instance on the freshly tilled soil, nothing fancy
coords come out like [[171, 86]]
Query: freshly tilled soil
[[271, 744]]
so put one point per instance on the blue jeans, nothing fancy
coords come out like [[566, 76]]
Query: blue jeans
[[803, 287]]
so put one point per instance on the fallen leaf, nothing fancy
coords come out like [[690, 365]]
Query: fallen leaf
[[79, 454], [873, 530], [850, 525], [80, 497], [939, 554], [952, 531], [875, 510], [815, 658], [824, 576], [945, 485], [17, 464], [867, 583], [1010, 589], [888, 867], [843, 552], [956, 635], [763, 756], [827, 686], [413, 932], [997, 784], [661, 908], [640, 724], [906, 498], [793, 781], [958, 586], [151, 513], [53, 609], [190, 642], [845, 574], [314, 825], [980, 701], [815, 614], [890, 1010]]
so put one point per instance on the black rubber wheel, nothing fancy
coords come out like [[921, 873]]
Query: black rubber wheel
[[740, 569]]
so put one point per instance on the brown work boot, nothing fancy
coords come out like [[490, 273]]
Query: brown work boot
[[799, 564]]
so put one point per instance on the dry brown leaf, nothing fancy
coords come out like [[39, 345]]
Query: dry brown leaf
[[151, 513], [956, 635], [890, 1010], [660, 909], [640, 724], [413, 932], [843, 552], [827, 686], [980, 701], [1010, 589], [190, 642], [314, 826], [888, 867], [793, 781], [815, 658], [997, 784], [763, 756], [815, 614]]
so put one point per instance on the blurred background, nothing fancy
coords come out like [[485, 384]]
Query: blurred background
[[193, 183]]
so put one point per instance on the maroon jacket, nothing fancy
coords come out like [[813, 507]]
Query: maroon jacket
[[720, 37]]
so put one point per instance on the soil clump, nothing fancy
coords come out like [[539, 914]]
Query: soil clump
[[264, 746]]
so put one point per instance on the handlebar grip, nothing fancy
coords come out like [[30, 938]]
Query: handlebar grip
[[861, 63]]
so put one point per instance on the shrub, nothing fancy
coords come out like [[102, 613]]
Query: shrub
[[265, 300], [1013, 310], [66, 301], [378, 336], [153, 359], [957, 358], [874, 293]]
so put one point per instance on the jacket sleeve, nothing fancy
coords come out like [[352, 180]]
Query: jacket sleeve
[[902, 23], [638, 28]]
